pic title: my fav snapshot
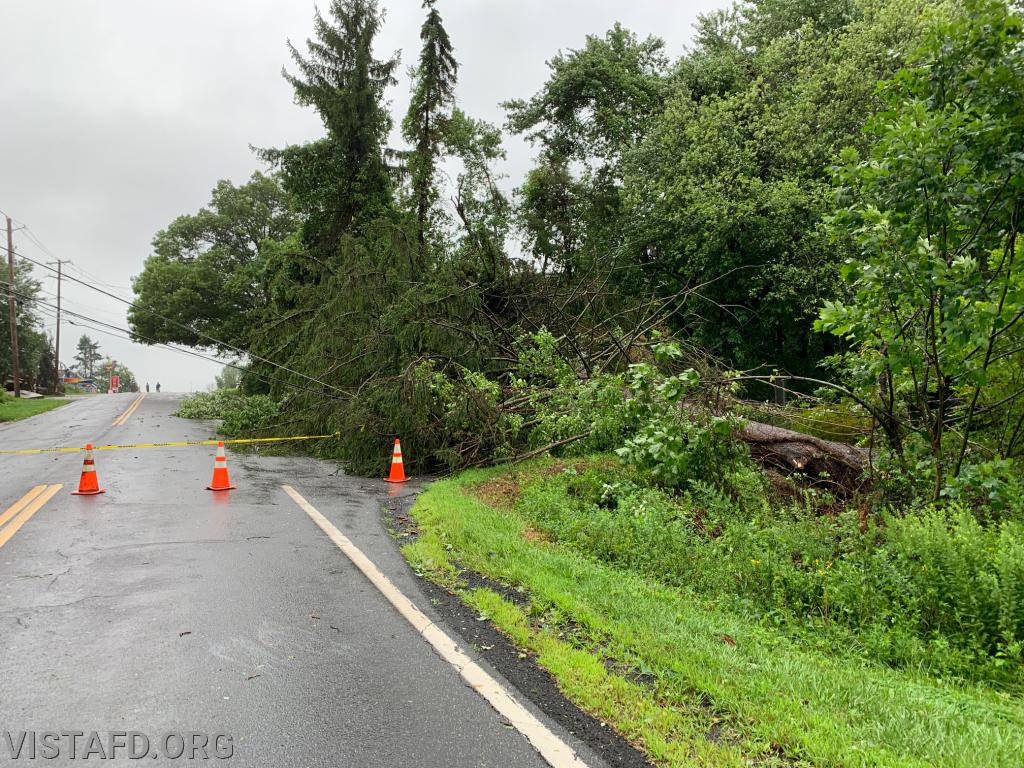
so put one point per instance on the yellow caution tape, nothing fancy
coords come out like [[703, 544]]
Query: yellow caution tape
[[247, 441]]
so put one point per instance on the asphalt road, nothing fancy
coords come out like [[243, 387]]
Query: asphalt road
[[160, 607]]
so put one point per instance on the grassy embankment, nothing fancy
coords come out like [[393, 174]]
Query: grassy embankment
[[690, 675], [13, 409]]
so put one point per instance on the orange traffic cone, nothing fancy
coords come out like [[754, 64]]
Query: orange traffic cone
[[89, 485], [221, 481], [397, 467]]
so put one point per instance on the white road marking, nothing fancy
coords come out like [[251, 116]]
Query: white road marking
[[555, 752]]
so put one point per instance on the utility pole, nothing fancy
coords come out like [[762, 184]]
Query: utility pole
[[12, 308], [59, 384]]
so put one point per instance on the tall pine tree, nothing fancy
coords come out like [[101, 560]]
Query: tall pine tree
[[342, 181], [432, 98]]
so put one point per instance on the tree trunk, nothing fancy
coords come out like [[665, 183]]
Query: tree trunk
[[837, 465]]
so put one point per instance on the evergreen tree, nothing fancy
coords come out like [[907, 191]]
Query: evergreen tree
[[433, 94], [342, 181], [87, 355]]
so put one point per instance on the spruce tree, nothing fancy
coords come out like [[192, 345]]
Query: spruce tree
[[342, 181], [88, 352], [433, 96]]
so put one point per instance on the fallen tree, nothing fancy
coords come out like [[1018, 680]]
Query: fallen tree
[[837, 465]]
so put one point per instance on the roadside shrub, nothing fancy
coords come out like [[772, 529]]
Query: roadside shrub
[[954, 583], [593, 408], [934, 589], [679, 449], [994, 489], [676, 441]]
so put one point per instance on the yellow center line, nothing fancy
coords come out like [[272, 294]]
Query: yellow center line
[[131, 409], [17, 506], [26, 514]]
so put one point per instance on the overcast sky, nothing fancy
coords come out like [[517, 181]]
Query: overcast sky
[[118, 115]]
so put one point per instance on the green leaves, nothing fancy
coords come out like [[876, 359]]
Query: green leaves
[[726, 192], [679, 450], [935, 210], [206, 283], [598, 99], [239, 414], [342, 182], [597, 104]]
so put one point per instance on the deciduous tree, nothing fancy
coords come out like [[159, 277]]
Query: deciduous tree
[[206, 283], [726, 193], [597, 104], [936, 211]]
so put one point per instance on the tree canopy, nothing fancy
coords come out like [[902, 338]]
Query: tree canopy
[[205, 284], [35, 351], [694, 197], [727, 192], [935, 211]]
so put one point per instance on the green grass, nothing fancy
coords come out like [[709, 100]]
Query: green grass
[[13, 409], [686, 680]]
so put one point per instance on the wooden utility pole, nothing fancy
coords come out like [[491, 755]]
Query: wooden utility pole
[[12, 308], [59, 384]]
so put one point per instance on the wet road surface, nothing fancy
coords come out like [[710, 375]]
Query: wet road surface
[[160, 607]]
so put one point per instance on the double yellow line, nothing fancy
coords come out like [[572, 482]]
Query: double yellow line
[[22, 510], [130, 410]]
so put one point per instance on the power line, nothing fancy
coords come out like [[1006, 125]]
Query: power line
[[132, 335], [38, 243], [49, 294], [215, 340]]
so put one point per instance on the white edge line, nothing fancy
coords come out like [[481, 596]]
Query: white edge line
[[555, 752]]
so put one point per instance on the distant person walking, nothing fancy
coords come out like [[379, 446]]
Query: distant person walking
[[147, 386], [158, 386]]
